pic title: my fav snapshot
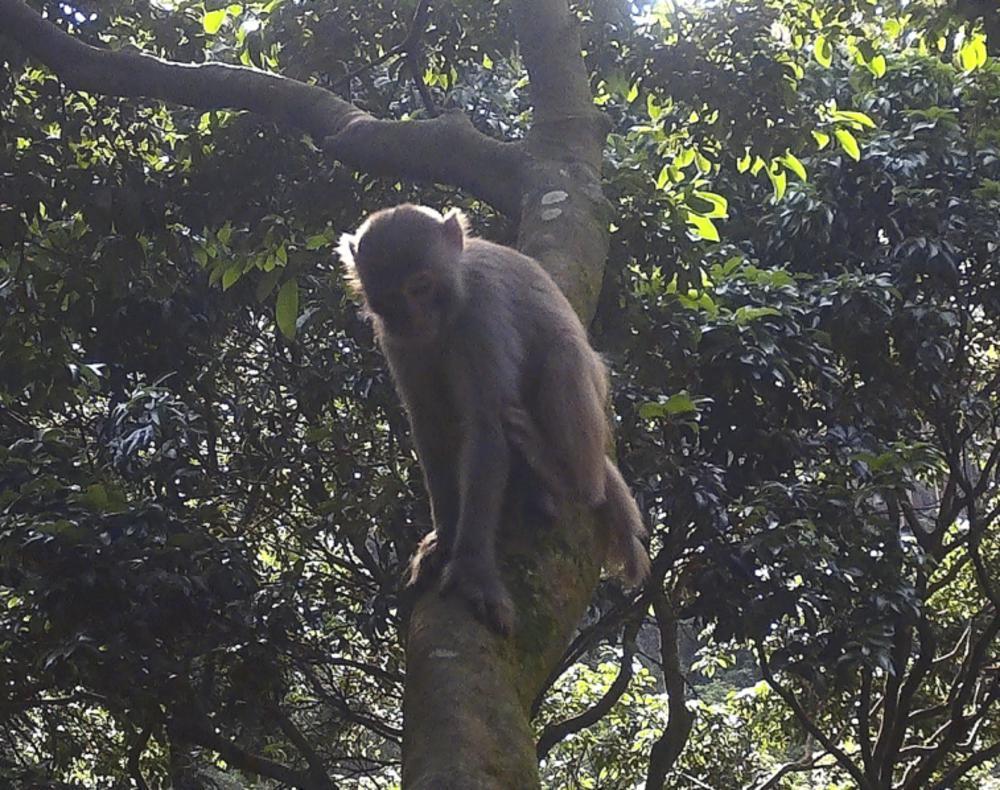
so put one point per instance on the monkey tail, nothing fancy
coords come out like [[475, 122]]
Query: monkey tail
[[627, 533]]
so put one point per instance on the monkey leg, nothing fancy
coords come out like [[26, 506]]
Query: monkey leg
[[525, 438], [569, 408]]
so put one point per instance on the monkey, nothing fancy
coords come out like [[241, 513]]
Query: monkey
[[492, 365]]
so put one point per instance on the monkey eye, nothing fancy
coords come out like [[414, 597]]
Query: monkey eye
[[420, 286]]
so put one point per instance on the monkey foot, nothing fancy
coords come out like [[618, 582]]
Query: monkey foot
[[485, 591], [542, 505], [427, 561]]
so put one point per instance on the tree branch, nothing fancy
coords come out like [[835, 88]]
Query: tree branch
[[680, 720], [446, 149], [561, 729], [845, 762], [949, 779], [134, 754], [204, 735]]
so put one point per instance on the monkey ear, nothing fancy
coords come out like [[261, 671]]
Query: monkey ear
[[456, 228], [347, 248]]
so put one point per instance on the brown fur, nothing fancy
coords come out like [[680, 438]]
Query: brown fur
[[489, 358]]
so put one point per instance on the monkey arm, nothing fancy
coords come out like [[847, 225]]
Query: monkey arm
[[437, 462], [480, 381], [485, 466]]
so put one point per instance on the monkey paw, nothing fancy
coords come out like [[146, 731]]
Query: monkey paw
[[541, 505], [484, 590], [427, 561]]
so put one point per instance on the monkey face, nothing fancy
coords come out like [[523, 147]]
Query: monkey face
[[417, 308], [406, 263]]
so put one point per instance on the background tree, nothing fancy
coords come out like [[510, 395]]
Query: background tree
[[206, 487]]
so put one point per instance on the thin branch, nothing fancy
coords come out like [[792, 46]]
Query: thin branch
[[203, 734], [809, 762], [845, 762], [416, 30], [680, 720], [949, 779], [134, 755], [317, 768], [554, 733], [446, 149]]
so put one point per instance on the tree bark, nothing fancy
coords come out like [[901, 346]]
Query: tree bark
[[468, 692]]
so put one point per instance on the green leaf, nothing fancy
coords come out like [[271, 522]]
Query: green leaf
[[973, 54], [96, 497], [848, 143], [487, 62], [823, 52], [213, 20], [792, 163], [633, 93], [652, 107], [704, 228], [663, 177], [743, 163], [720, 206], [679, 403], [317, 242], [877, 66], [231, 275], [287, 308], [853, 117], [746, 314], [779, 182], [822, 139], [265, 284]]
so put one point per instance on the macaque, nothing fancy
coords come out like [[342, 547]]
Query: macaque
[[494, 368]]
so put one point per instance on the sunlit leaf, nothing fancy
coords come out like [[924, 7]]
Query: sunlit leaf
[[704, 228], [720, 205], [213, 20], [231, 275], [823, 51], [822, 138], [652, 107], [779, 181], [849, 143], [793, 163]]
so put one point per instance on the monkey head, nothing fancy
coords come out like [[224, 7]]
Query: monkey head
[[405, 264]]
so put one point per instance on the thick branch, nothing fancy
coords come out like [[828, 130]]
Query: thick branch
[[567, 124], [447, 149], [564, 214]]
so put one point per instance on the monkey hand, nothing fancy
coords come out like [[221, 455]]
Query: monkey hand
[[427, 561], [483, 588]]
